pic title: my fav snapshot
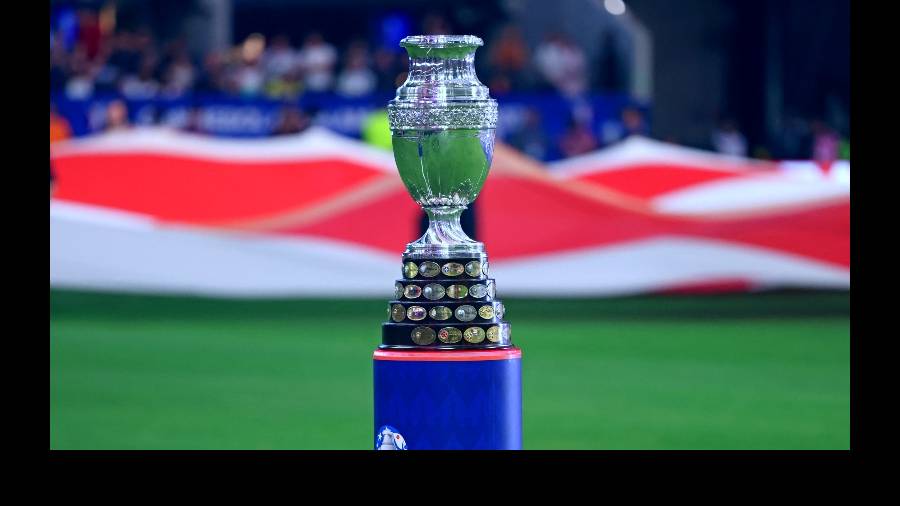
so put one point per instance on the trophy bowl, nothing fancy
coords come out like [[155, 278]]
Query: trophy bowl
[[442, 129]]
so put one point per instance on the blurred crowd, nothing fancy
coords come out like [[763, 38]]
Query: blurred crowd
[[136, 65], [799, 139]]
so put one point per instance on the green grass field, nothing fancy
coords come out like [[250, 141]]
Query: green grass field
[[734, 371]]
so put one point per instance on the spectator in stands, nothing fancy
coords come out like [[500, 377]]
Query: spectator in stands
[[634, 123], [144, 42], [509, 53], [143, 85], [317, 59], [530, 138], [80, 84], [107, 75], [59, 126], [249, 77], [58, 65], [728, 140], [116, 116], [388, 69], [500, 84], [631, 122], [509, 58], [356, 79], [578, 138], [825, 142], [562, 64], [124, 55], [795, 138], [280, 59], [180, 76], [213, 78], [89, 34], [132, 61], [376, 130], [286, 87], [844, 149]]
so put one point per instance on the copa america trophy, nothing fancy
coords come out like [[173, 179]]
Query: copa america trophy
[[446, 374]]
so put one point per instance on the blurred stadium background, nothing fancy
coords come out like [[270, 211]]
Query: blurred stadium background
[[221, 176]]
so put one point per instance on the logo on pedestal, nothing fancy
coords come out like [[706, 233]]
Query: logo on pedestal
[[389, 438]]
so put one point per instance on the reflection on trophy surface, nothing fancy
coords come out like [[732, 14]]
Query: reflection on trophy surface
[[442, 125]]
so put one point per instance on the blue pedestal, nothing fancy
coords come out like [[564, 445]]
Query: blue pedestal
[[448, 400]]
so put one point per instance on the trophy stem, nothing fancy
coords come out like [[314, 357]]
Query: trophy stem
[[445, 237]]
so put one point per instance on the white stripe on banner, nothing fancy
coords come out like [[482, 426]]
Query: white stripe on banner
[[641, 150], [96, 249], [749, 194], [314, 143], [653, 264], [101, 250]]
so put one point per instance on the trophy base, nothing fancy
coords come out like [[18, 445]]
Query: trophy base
[[448, 400]]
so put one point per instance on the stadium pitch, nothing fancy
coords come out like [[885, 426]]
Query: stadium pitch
[[754, 371]]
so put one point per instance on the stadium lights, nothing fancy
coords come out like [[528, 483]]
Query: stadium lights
[[614, 7]]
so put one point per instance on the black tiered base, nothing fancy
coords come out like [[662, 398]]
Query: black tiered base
[[445, 304]]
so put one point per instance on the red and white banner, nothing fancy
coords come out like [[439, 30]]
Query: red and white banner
[[316, 214]]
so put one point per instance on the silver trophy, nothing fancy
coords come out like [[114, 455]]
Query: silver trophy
[[442, 125], [446, 373]]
